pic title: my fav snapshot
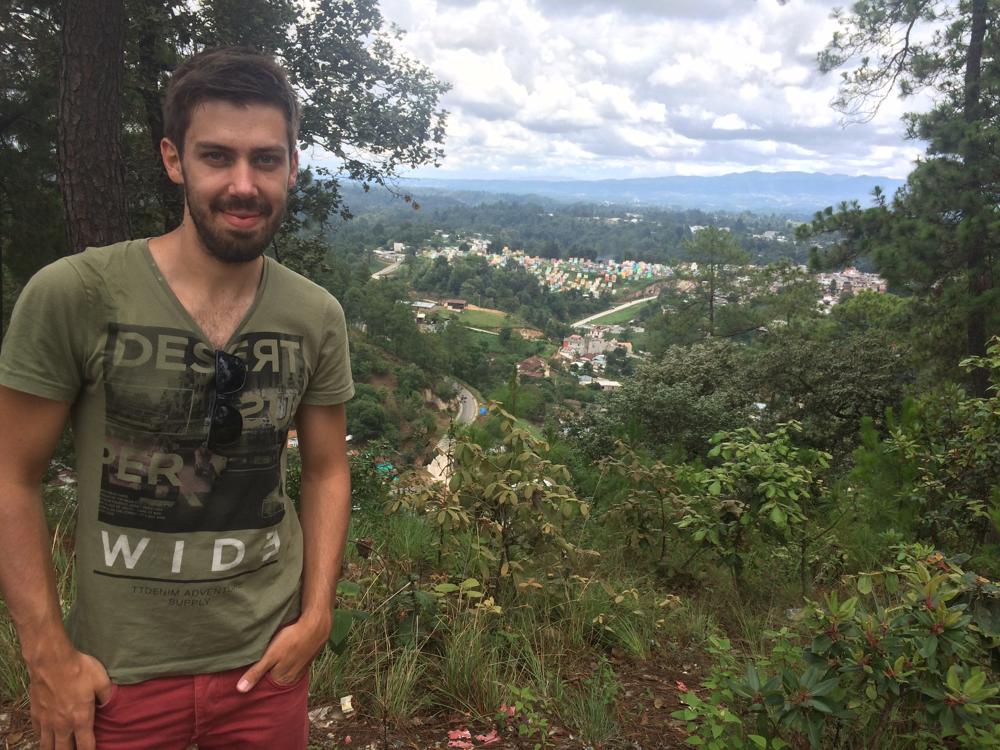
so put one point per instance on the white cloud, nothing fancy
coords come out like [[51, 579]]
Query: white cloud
[[732, 121], [585, 88]]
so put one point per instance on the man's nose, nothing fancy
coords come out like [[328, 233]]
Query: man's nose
[[242, 179]]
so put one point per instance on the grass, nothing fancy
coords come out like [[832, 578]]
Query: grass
[[396, 691], [471, 670], [492, 343], [589, 708], [487, 319]]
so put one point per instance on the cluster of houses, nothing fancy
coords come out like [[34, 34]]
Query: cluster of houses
[[587, 353], [842, 284], [592, 278]]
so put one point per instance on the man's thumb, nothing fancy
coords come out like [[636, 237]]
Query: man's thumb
[[251, 677]]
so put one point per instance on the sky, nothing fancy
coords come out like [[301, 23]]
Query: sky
[[594, 89]]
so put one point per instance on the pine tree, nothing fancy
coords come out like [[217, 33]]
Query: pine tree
[[938, 236]]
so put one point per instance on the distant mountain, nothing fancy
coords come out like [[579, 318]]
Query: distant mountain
[[772, 192]]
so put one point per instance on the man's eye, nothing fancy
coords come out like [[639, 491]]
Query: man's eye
[[215, 156], [268, 160]]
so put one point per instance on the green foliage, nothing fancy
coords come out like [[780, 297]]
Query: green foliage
[[935, 471], [367, 419], [373, 472], [515, 500], [717, 273], [651, 506], [829, 384], [936, 235], [762, 490], [677, 401], [902, 660], [528, 718]]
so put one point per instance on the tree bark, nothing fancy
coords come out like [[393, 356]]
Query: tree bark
[[91, 167]]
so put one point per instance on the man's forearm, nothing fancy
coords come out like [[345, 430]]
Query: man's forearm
[[27, 578], [325, 515]]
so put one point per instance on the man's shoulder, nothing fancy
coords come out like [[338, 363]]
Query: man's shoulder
[[109, 257], [287, 284], [92, 264]]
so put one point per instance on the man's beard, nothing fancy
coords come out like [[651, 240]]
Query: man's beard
[[231, 245]]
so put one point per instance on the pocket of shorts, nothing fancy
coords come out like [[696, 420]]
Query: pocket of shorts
[[111, 698], [286, 686]]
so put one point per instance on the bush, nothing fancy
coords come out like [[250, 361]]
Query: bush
[[900, 662]]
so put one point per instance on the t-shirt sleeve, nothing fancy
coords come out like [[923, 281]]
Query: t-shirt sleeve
[[45, 348], [331, 382]]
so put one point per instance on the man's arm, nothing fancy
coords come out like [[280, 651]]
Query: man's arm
[[325, 510], [64, 682]]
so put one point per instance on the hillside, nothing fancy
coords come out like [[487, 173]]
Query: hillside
[[779, 192]]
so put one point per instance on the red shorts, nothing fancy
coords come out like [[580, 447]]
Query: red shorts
[[172, 713]]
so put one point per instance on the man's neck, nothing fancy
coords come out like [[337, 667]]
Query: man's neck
[[216, 295], [186, 264]]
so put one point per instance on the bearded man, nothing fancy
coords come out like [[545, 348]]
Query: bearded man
[[182, 361]]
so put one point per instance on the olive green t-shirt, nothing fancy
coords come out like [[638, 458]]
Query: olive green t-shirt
[[187, 559]]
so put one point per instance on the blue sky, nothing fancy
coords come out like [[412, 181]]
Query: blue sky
[[642, 88]]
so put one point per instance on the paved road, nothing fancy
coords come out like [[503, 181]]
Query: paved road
[[388, 270], [634, 302], [468, 409]]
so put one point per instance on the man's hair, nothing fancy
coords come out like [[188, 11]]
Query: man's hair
[[233, 74]]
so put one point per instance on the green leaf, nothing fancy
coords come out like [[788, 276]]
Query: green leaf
[[343, 619], [820, 705], [469, 583], [446, 588], [347, 589], [757, 740], [865, 584], [778, 517], [953, 680], [974, 683], [715, 488], [825, 687]]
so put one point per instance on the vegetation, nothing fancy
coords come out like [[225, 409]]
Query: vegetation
[[781, 531]]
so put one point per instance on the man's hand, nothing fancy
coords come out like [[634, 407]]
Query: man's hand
[[290, 652], [65, 687]]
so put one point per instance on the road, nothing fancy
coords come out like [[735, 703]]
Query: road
[[483, 330], [468, 409], [388, 270], [634, 302]]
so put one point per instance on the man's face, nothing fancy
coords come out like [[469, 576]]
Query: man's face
[[236, 171]]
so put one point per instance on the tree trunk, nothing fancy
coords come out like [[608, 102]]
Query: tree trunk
[[975, 240], [91, 167]]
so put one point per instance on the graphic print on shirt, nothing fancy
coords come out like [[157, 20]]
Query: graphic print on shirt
[[158, 475]]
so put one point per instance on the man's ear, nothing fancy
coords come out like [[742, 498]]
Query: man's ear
[[172, 161], [293, 168]]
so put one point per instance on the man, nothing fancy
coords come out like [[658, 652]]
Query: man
[[182, 360]]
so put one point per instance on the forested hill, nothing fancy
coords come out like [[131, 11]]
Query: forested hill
[[783, 192]]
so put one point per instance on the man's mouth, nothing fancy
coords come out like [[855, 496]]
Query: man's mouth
[[241, 219]]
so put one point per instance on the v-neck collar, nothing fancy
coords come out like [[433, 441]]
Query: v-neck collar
[[189, 320]]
